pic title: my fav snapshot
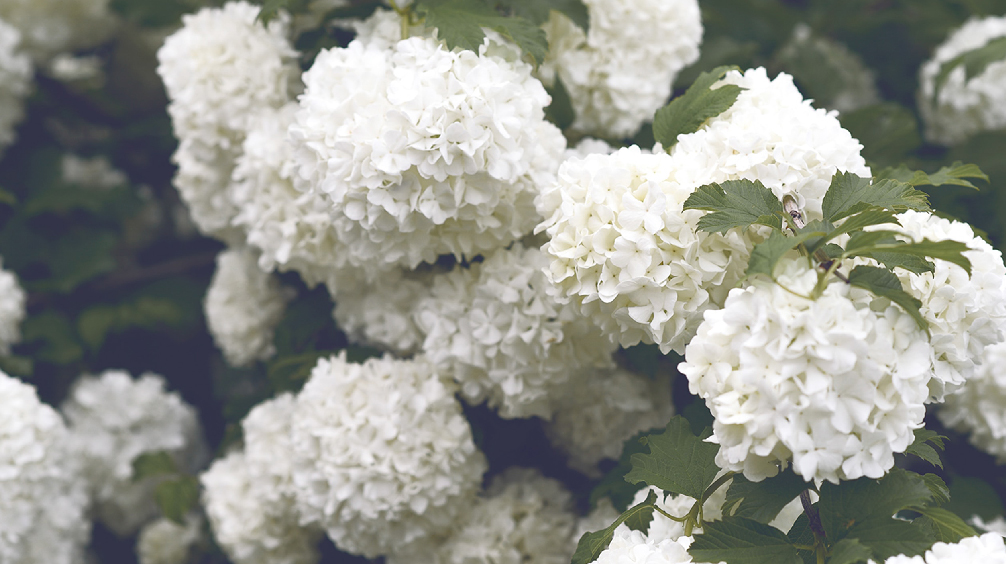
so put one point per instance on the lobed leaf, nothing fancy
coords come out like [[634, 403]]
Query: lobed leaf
[[887, 537], [884, 283], [688, 112], [945, 525], [459, 23], [955, 175], [737, 540], [613, 485], [767, 254], [975, 62], [735, 203], [941, 493], [849, 551], [925, 446], [857, 501], [849, 194], [762, 501], [679, 462]]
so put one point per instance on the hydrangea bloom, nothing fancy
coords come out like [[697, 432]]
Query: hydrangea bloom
[[383, 457], [424, 151], [15, 82], [12, 309], [165, 542], [604, 408], [42, 497], [243, 306], [622, 248], [53, 26], [964, 107], [828, 384], [979, 407], [987, 549], [630, 546], [773, 135], [381, 313], [619, 73], [496, 327], [113, 419]]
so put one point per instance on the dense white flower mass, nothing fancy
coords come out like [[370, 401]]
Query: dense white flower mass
[[383, 457], [113, 419], [770, 134], [497, 328], [620, 71], [243, 306], [979, 407], [43, 499], [424, 151], [633, 547], [15, 82], [49, 27], [987, 549], [165, 542], [828, 384], [963, 106], [624, 251], [381, 313], [603, 409], [12, 309]]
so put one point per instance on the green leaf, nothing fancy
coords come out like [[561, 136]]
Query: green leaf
[[56, 341], [762, 501], [737, 540], [884, 283], [843, 506], [950, 251], [888, 131], [913, 264], [849, 551], [303, 323], [941, 493], [290, 373], [866, 218], [887, 537], [78, 256], [271, 9], [613, 485], [975, 62], [177, 497], [927, 446], [688, 112], [560, 111], [954, 175], [735, 203], [974, 496], [15, 365], [767, 254], [459, 23], [679, 462], [151, 464], [538, 11], [849, 194], [945, 525], [591, 545]]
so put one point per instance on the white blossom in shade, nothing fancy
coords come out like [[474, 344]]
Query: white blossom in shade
[[996, 525], [15, 82], [963, 107], [165, 542], [86, 70], [423, 151], [113, 419], [243, 306], [770, 134], [12, 309], [589, 146], [626, 254], [94, 173], [381, 314], [829, 384], [979, 406], [987, 549], [619, 73], [43, 499], [53, 26], [498, 329], [203, 181], [604, 408], [679, 505], [965, 313], [383, 456]]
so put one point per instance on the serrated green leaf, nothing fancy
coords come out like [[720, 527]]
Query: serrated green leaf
[[974, 496], [762, 501], [538, 11], [591, 545], [150, 464], [941, 493], [688, 112], [884, 283], [177, 497], [925, 446], [913, 264], [950, 251], [887, 537], [849, 194], [736, 540], [560, 111], [613, 485], [767, 254], [888, 131], [856, 501], [945, 525], [975, 62], [735, 203], [865, 218], [954, 175], [679, 462], [459, 23], [849, 551]]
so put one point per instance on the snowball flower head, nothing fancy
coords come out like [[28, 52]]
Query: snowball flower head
[[620, 71], [113, 419], [963, 106], [15, 82], [770, 134], [424, 151], [829, 384], [623, 250], [165, 542], [243, 306], [381, 313], [496, 327], [12, 309], [628, 546], [42, 498], [987, 549], [383, 456], [979, 407]]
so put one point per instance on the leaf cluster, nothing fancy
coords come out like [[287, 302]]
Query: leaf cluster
[[176, 493]]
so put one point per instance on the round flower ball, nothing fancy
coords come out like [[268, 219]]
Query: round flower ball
[[424, 151], [498, 328], [828, 385], [382, 313], [15, 82], [113, 419], [953, 105], [622, 249], [383, 456], [978, 408], [165, 542]]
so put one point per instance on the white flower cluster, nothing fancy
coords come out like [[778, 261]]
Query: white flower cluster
[[220, 70], [15, 82], [963, 106], [987, 549], [42, 497], [381, 313], [620, 71], [829, 384], [979, 407], [594, 417], [113, 419], [424, 151], [622, 248], [383, 458], [165, 542], [249, 495], [498, 330], [50, 27], [12, 309], [243, 306]]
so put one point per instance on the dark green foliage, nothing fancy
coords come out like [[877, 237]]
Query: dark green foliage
[[177, 497], [679, 461], [737, 540], [762, 501], [686, 113], [459, 23], [927, 445], [735, 203], [883, 283], [974, 62], [151, 464]]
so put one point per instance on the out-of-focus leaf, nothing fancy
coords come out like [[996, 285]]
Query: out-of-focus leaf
[[538, 11], [613, 485], [887, 537], [888, 131], [177, 497], [974, 496], [974, 61], [53, 332], [560, 111], [151, 464]]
